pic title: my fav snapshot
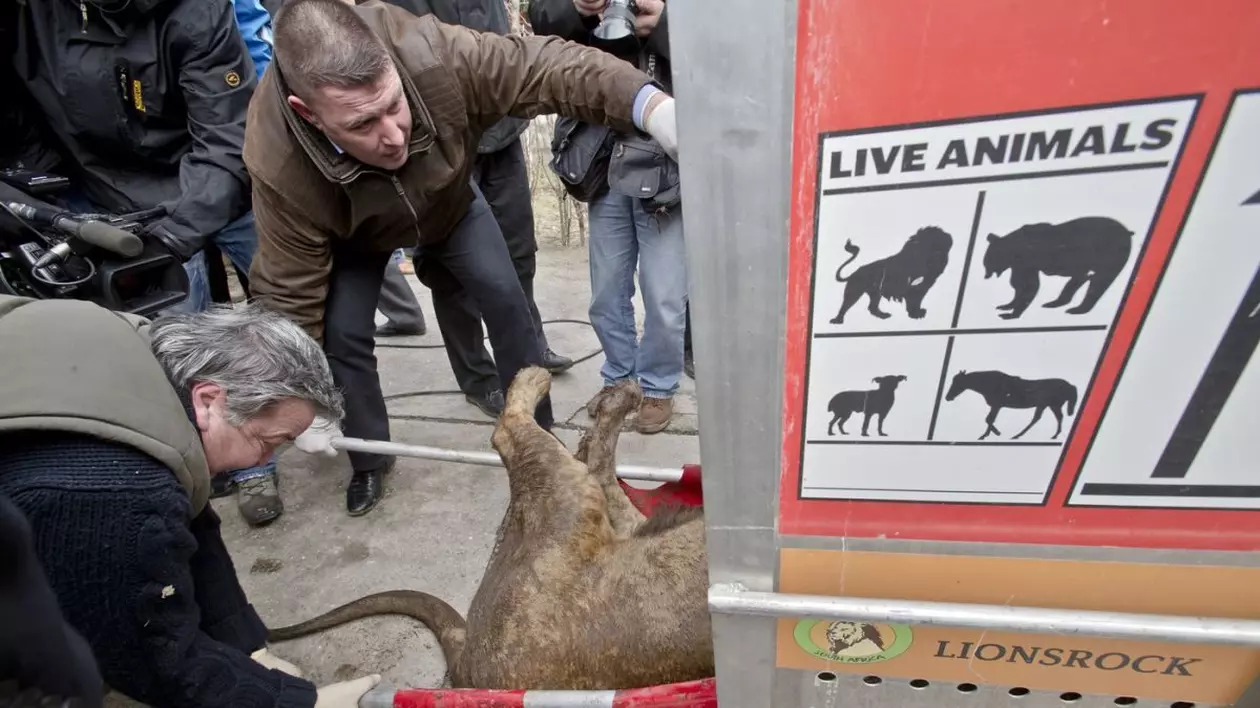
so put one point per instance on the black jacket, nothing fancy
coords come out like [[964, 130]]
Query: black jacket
[[560, 18], [148, 103], [38, 650], [483, 16], [24, 140]]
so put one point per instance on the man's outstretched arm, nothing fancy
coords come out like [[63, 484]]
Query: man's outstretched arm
[[527, 76]]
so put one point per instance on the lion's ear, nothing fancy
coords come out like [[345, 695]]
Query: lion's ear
[[993, 237]]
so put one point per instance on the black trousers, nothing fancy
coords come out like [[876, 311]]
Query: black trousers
[[397, 302], [687, 331], [350, 345], [474, 261], [504, 182], [473, 276]]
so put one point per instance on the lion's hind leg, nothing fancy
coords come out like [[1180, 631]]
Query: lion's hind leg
[[598, 449], [851, 295], [545, 475], [517, 434]]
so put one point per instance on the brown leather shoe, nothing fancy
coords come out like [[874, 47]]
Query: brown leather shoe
[[592, 406], [654, 415]]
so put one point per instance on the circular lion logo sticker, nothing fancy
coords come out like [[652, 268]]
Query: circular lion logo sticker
[[853, 642]]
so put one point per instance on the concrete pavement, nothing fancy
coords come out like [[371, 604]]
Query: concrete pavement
[[436, 526]]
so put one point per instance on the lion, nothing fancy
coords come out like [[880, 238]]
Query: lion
[[906, 276], [843, 636], [582, 592]]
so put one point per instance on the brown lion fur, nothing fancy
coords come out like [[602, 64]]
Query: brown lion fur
[[581, 591]]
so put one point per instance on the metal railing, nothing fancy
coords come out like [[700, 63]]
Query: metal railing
[[734, 600], [486, 459]]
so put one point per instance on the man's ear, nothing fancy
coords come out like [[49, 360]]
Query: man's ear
[[204, 395], [299, 106]]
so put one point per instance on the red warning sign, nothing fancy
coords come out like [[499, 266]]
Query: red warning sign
[[1024, 297]]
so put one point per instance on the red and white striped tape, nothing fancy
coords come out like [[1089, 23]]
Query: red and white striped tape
[[692, 694]]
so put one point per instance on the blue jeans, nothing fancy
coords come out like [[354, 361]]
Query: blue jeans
[[238, 240], [623, 235]]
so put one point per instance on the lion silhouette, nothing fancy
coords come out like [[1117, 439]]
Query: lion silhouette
[[906, 276], [842, 636]]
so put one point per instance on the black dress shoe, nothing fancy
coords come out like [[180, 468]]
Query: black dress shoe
[[389, 329], [490, 402], [555, 363], [366, 489]]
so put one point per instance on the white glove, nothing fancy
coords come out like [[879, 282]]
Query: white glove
[[272, 661], [317, 439], [663, 126], [345, 694]]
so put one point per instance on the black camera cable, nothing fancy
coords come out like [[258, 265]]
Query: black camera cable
[[456, 392]]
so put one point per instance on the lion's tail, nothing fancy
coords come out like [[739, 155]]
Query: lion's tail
[[853, 254], [435, 613]]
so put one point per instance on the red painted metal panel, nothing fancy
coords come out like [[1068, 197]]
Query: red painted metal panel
[[691, 694], [865, 65]]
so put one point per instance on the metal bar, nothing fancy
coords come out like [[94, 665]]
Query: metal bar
[[486, 459], [1036, 620], [689, 694]]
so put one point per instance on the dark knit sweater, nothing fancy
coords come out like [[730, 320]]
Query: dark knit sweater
[[154, 594], [38, 650]]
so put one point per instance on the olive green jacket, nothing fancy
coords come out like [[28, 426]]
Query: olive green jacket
[[75, 366]]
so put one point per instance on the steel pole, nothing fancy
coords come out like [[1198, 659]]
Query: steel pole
[[730, 600], [486, 459]]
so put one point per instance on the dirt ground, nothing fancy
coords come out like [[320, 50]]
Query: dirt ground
[[435, 527]]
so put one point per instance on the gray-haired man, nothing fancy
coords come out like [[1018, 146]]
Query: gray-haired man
[[361, 139], [110, 429]]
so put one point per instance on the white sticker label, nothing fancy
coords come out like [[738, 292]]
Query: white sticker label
[[966, 277], [1180, 430]]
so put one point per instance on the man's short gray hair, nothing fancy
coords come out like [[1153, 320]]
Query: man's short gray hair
[[258, 357], [320, 43]]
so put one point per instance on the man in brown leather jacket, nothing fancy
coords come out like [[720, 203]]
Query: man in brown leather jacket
[[361, 139]]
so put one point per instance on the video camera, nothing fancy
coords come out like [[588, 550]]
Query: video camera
[[47, 251]]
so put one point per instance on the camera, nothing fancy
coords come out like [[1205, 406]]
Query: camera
[[48, 251], [618, 22]]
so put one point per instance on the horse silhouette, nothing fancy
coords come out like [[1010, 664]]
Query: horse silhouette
[[1002, 390], [873, 402]]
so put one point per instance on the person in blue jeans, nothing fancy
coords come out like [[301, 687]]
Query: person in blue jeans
[[258, 495], [625, 233]]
